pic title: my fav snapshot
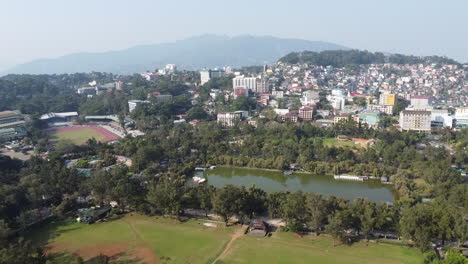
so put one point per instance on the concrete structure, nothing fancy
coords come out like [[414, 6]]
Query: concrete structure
[[59, 117], [387, 99], [461, 117], [370, 118], [417, 120], [306, 113], [420, 102], [132, 104], [441, 117], [119, 85], [310, 97], [206, 75], [229, 119], [386, 109], [12, 125], [240, 91], [262, 86], [249, 83], [160, 97]]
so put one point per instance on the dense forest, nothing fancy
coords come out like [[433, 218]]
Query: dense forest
[[341, 58]]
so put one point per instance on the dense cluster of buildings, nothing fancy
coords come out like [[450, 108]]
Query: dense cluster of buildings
[[424, 96]]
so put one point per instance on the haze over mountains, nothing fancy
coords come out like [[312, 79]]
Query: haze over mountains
[[192, 53]]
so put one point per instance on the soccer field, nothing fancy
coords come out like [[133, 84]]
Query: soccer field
[[80, 134], [143, 239], [77, 136]]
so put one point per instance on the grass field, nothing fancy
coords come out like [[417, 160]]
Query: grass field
[[284, 247], [77, 136], [145, 239], [329, 142], [139, 238]]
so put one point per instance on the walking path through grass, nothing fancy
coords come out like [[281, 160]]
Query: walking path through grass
[[239, 233]]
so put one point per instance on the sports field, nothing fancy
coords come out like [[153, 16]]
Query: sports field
[[80, 134], [142, 239]]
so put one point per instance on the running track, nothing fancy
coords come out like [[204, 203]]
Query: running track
[[109, 136]]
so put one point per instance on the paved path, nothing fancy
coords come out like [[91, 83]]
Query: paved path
[[239, 232]]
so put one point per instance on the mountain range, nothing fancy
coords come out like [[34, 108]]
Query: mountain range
[[192, 53]]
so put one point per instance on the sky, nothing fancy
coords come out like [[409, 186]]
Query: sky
[[33, 29]]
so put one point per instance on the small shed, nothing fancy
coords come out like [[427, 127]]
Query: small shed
[[258, 228]]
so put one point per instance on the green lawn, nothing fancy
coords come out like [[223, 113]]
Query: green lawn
[[142, 237], [162, 240], [77, 136], [289, 248], [329, 142]]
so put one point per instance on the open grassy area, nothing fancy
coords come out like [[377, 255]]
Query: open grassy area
[[143, 239], [77, 136], [329, 142], [139, 238], [289, 248]]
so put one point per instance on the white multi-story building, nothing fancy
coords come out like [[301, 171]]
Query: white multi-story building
[[441, 117], [418, 120], [229, 119], [249, 83], [310, 97], [206, 75], [132, 104], [387, 109], [420, 102], [262, 86]]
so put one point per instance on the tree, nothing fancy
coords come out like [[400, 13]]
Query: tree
[[416, 223], [165, 195], [293, 211], [253, 202], [227, 202], [205, 194], [197, 112], [337, 224], [317, 211]]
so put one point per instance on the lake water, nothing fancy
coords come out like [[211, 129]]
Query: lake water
[[272, 181]]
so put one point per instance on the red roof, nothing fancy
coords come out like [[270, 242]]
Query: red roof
[[355, 94], [156, 93]]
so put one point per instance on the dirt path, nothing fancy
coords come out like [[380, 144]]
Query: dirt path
[[239, 232], [142, 250]]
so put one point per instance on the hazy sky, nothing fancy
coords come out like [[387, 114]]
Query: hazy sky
[[50, 28]]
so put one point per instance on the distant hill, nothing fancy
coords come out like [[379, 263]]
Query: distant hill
[[340, 58], [191, 53]]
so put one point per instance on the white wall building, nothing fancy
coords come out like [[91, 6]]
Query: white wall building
[[418, 120], [132, 104], [249, 83], [441, 117]]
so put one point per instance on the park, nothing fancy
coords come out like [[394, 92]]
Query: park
[[136, 238]]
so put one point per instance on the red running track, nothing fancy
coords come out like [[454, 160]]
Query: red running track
[[109, 136]]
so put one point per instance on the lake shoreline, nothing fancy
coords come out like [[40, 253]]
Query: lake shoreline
[[272, 180]]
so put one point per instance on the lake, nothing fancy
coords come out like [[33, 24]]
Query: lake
[[272, 181]]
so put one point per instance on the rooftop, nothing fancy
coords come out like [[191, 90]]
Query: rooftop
[[8, 113]]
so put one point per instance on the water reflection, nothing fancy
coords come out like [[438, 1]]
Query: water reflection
[[272, 181]]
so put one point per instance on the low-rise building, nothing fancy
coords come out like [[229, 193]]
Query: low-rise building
[[132, 104], [229, 119], [306, 113], [12, 125]]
